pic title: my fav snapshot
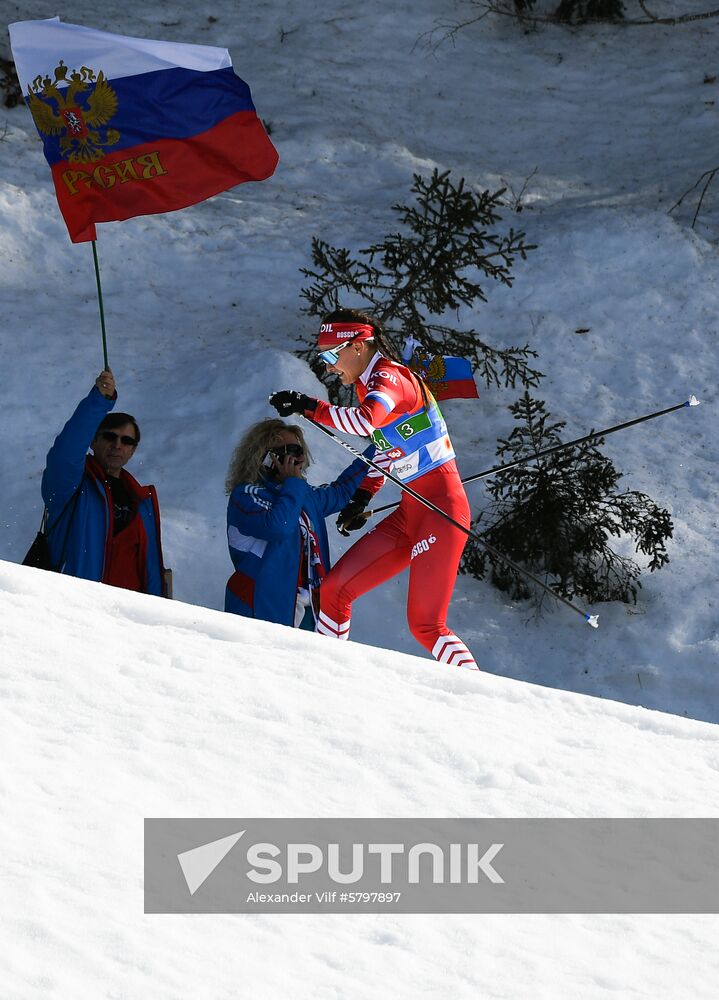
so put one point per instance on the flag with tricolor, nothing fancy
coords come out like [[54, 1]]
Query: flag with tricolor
[[447, 377], [133, 126]]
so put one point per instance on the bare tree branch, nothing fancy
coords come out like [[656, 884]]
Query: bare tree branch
[[709, 174], [679, 19]]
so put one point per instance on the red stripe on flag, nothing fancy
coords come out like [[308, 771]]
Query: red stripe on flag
[[461, 389], [163, 176]]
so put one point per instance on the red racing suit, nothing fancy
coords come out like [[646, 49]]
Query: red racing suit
[[412, 441]]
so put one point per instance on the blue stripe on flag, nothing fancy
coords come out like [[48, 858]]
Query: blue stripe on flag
[[457, 369], [166, 104]]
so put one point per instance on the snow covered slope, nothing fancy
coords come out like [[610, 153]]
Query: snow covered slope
[[116, 706]]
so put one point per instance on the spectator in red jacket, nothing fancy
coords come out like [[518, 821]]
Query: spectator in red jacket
[[102, 524]]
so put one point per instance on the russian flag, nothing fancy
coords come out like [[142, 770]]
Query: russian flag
[[133, 126], [447, 377]]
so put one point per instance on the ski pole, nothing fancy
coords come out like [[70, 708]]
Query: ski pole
[[592, 620], [495, 470]]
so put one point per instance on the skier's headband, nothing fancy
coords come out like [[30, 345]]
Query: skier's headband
[[331, 335]]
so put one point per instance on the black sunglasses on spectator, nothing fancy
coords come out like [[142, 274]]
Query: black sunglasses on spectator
[[112, 437], [283, 450]]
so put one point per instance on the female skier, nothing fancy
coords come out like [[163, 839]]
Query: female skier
[[402, 417]]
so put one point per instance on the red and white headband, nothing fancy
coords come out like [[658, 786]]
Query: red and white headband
[[339, 332]]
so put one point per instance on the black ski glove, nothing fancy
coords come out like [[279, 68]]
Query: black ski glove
[[353, 516], [288, 401]]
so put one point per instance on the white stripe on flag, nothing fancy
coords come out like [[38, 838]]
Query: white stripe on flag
[[37, 45]]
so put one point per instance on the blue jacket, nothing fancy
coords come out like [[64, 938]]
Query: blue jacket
[[81, 528], [265, 543]]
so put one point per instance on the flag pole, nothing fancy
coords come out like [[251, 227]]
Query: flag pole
[[99, 299]]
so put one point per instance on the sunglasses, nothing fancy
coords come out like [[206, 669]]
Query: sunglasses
[[331, 356], [283, 450], [111, 437]]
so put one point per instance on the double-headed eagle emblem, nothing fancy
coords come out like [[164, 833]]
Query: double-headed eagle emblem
[[79, 125], [432, 369]]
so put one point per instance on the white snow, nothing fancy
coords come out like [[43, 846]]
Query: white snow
[[116, 706]]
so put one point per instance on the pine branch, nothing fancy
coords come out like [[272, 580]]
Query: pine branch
[[496, 366], [434, 263], [558, 517]]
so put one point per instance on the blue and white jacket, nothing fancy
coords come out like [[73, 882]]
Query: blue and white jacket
[[264, 536], [84, 529]]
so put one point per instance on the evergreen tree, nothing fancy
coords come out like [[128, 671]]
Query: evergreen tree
[[589, 10], [558, 516], [576, 11], [447, 243], [10, 83]]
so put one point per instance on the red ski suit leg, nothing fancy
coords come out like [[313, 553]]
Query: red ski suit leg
[[411, 536]]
